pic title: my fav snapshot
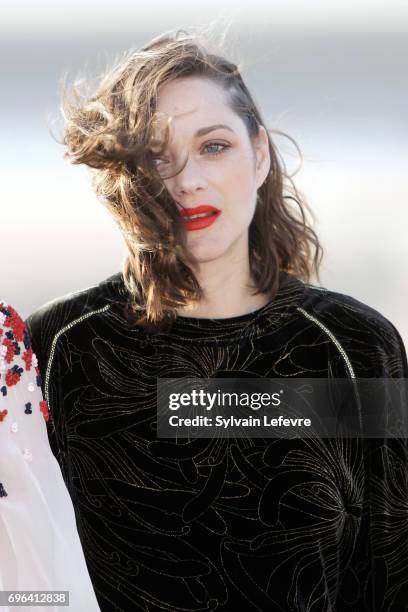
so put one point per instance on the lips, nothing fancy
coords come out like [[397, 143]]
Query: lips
[[202, 208], [200, 222]]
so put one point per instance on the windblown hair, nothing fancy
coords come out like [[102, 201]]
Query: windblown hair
[[115, 130]]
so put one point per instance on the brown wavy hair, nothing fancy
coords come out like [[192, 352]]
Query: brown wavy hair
[[114, 131]]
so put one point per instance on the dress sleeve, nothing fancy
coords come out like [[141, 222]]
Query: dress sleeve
[[377, 576], [40, 547]]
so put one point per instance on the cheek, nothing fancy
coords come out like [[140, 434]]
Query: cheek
[[238, 187], [238, 173]]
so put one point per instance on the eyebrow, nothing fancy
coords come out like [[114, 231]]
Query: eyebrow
[[218, 126]]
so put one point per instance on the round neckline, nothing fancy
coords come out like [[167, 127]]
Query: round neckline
[[219, 331], [235, 319]]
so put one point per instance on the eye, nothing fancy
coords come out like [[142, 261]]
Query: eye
[[217, 144], [224, 147]]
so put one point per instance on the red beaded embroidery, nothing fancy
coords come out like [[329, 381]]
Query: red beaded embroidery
[[44, 409], [11, 350], [28, 358], [3, 413], [13, 376], [16, 323], [10, 339]]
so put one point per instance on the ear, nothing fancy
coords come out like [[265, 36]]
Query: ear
[[263, 159]]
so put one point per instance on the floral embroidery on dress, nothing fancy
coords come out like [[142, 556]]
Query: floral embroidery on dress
[[15, 340], [28, 358], [13, 376], [44, 409]]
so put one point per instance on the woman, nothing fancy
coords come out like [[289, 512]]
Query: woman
[[215, 284], [40, 548]]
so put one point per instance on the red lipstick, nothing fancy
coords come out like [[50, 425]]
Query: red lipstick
[[209, 215]]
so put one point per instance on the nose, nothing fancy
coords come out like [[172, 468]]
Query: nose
[[189, 180]]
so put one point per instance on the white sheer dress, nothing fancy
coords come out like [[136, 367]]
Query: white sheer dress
[[40, 549]]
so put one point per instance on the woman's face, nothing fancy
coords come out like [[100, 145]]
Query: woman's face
[[222, 171]]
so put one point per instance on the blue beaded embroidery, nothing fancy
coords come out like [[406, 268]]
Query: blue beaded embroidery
[[2, 491]]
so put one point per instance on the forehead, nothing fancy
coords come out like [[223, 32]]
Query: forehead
[[195, 101]]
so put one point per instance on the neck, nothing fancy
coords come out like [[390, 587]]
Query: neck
[[227, 288]]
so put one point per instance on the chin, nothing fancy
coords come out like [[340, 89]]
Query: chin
[[204, 254]]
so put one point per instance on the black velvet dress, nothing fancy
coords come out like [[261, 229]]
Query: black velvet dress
[[235, 525]]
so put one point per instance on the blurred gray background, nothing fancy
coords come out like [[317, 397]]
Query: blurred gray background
[[332, 74]]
